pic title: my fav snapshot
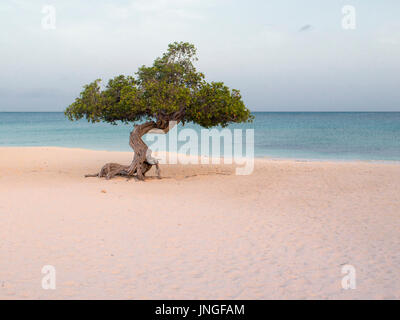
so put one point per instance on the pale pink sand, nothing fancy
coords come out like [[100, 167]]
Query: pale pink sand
[[283, 232]]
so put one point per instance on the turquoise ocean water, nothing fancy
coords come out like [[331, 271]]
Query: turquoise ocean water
[[298, 135]]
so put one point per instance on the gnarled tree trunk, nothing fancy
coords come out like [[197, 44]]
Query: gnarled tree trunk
[[142, 160]]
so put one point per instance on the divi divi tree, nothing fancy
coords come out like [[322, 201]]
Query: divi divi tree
[[169, 90]]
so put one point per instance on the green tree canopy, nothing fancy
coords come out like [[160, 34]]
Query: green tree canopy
[[170, 89]]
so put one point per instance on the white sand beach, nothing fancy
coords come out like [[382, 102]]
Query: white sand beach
[[201, 232]]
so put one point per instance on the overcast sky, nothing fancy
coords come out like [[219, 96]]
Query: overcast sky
[[284, 55]]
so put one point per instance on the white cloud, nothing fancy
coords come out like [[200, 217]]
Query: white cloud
[[164, 9], [255, 46]]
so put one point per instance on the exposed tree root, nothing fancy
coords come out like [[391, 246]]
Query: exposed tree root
[[111, 170]]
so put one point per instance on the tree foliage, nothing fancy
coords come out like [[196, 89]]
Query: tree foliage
[[170, 89]]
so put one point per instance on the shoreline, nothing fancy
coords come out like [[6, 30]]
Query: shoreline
[[392, 162]]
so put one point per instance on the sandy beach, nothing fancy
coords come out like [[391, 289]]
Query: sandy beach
[[201, 232]]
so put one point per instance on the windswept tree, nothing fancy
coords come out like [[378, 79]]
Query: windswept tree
[[169, 90]]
